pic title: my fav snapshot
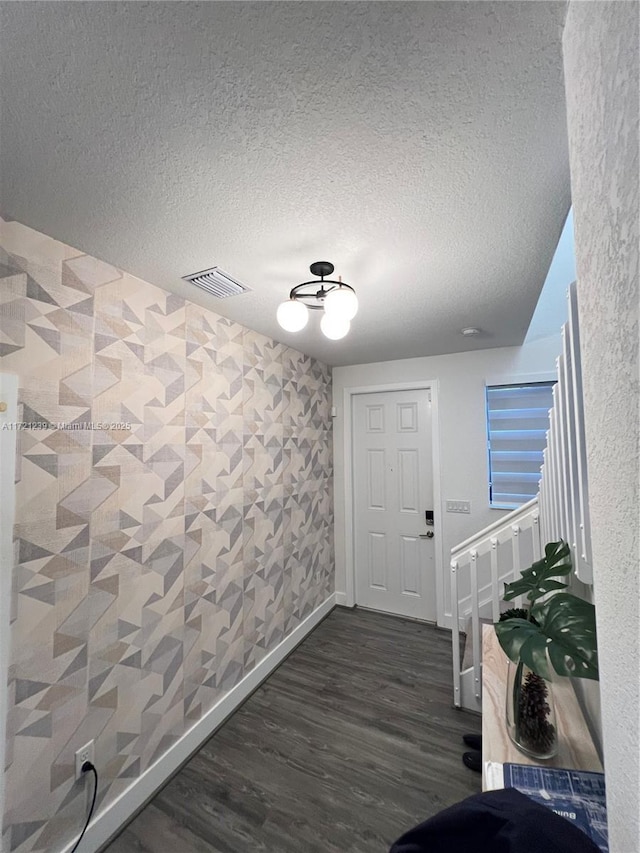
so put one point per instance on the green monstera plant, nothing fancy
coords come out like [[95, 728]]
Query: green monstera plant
[[555, 628], [560, 627]]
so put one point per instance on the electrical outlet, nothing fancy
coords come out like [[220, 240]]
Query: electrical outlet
[[459, 506], [85, 753]]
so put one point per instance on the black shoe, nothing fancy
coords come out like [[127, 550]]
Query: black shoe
[[473, 741], [473, 760]]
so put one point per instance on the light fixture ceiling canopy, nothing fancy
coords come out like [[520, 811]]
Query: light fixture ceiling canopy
[[314, 292]]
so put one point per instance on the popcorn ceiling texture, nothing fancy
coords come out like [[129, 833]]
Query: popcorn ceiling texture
[[601, 78], [156, 566]]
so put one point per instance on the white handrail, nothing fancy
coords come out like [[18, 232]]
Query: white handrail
[[495, 525]]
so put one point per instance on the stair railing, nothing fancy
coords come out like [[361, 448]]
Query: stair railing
[[559, 511], [563, 491], [508, 533]]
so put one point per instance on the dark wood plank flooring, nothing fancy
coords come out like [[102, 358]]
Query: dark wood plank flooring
[[349, 743]]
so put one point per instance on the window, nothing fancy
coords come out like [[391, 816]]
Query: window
[[517, 424]]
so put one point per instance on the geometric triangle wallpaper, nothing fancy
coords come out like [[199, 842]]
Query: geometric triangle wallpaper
[[174, 519]]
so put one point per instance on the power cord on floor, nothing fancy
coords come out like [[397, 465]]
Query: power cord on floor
[[86, 767]]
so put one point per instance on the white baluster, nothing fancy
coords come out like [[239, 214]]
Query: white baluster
[[475, 625], [495, 592], [455, 633]]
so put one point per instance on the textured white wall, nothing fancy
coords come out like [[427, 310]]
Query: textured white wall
[[463, 431], [601, 79]]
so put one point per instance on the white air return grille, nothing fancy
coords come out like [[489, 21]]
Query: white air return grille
[[217, 283]]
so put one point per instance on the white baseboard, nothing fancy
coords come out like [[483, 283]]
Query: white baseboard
[[446, 621], [111, 821], [341, 599]]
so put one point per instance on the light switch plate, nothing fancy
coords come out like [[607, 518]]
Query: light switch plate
[[459, 506]]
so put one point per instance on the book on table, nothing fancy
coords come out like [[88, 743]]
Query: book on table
[[577, 795]]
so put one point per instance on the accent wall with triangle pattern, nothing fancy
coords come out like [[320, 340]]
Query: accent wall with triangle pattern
[[155, 564]]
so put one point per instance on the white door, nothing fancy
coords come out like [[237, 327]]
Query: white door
[[393, 489]]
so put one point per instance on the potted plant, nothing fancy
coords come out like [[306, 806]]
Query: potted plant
[[556, 630]]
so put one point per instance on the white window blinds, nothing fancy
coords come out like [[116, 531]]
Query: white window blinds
[[517, 421]]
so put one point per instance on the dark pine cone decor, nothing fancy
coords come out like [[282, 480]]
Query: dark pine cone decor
[[516, 613], [536, 732]]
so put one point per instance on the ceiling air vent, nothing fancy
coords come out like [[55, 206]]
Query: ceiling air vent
[[216, 282]]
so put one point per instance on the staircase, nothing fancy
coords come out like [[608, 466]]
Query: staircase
[[483, 563]]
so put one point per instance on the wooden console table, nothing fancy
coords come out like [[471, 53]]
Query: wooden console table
[[575, 745]]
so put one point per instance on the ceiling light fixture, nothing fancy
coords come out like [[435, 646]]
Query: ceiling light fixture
[[337, 299], [470, 332]]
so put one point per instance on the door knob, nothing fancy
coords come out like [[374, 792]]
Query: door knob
[[428, 535]]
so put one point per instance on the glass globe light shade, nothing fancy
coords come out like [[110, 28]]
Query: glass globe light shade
[[341, 302], [292, 315], [334, 327]]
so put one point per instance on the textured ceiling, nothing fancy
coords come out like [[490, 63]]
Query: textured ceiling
[[420, 147]]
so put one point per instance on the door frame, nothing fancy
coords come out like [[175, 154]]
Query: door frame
[[350, 563]]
